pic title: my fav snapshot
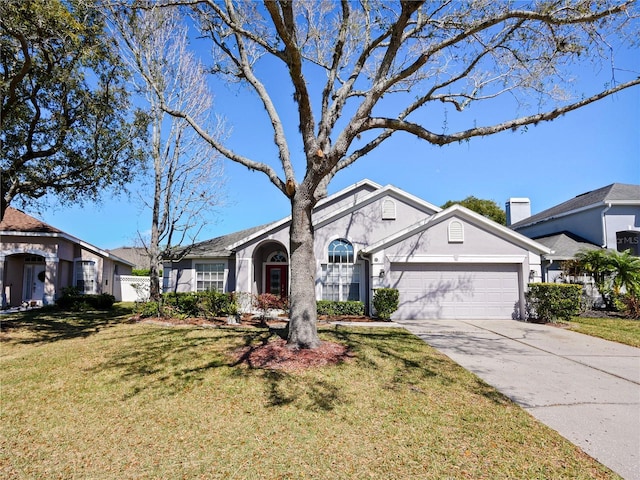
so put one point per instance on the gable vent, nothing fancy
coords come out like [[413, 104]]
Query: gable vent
[[388, 210], [456, 232]]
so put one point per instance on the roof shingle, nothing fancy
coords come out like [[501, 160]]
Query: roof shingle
[[616, 192], [15, 220]]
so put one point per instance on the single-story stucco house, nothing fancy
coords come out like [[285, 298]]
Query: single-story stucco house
[[37, 261], [451, 263]]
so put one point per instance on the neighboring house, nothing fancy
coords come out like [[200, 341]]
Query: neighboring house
[[136, 255], [37, 261], [449, 263], [608, 217]]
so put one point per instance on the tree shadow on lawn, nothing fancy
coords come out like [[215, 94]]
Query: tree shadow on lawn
[[414, 362], [171, 361], [50, 324]]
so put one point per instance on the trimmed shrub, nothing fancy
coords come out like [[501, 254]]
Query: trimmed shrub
[[217, 304], [75, 301], [386, 301], [553, 301], [191, 304], [333, 308], [148, 309], [185, 304]]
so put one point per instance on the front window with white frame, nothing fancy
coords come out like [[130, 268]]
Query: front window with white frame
[[341, 275], [209, 277], [84, 276]]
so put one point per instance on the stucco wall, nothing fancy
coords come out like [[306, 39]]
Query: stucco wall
[[618, 219], [586, 224], [435, 241], [365, 226]]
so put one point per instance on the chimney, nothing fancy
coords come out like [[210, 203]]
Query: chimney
[[517, 209]]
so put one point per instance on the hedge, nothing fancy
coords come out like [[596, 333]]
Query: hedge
[[553, 301], [331, 307], [191, 304], [72, 300]]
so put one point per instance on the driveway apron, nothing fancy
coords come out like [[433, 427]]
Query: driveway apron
[[585, 388]]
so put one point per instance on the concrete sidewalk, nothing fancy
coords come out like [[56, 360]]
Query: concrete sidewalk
[[585, 388]]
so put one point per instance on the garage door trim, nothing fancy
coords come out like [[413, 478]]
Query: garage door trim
[[462, 259], [493, 297]]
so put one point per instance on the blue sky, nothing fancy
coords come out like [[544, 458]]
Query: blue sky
[[549, 163]]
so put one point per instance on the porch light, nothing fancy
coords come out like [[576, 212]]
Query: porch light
[[381, 274]]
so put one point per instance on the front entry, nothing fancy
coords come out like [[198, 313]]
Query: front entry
[[33, 289], [277, 280]]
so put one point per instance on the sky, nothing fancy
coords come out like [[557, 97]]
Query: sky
[[548, 163]]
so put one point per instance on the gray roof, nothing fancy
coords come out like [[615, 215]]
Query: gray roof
[[616, 192], [137, 256], [217, 247], [565, 245]]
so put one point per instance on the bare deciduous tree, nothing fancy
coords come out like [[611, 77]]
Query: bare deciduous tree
[[187, 173], [386, 67]]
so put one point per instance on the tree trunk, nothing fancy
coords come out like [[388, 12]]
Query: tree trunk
[[303, 330]]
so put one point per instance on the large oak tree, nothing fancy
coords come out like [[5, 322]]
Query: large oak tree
[[63, 104], [360, 72]]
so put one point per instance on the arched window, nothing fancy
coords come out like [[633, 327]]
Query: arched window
[[341, 275], [278, 257], [340, 251]]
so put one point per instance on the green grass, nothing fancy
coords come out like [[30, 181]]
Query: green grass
[[614, 329], [90, 396]]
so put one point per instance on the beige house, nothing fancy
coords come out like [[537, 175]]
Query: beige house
[[37, 261]]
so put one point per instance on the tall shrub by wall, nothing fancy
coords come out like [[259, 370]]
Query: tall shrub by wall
[[549, 302]]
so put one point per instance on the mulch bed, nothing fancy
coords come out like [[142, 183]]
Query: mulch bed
[[273, 354], [276, 355]]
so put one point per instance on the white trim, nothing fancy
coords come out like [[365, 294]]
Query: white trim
[[460, 212], [605, 203], [49, 257], [70, 238], [332, 238], [372, 197], [284, 221], [209, 261], [95, 289], [519, 259]]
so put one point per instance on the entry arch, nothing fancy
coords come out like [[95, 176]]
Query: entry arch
[[271, 268]]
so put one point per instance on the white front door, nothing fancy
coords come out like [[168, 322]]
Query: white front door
[[33, 289]]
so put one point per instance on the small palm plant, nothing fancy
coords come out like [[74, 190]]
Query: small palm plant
[[613, 272]]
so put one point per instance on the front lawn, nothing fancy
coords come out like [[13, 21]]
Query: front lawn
[[614, 329], [91, 396]]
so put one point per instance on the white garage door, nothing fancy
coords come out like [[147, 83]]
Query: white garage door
[[450, 291]]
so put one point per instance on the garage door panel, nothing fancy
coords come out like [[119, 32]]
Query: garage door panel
[[456, 291]]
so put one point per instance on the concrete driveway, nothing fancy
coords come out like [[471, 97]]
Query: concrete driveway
[[585, 388]]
